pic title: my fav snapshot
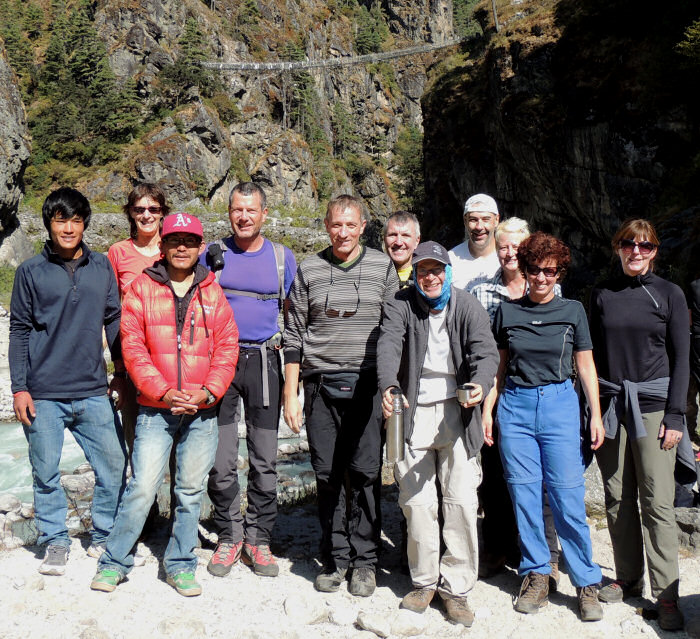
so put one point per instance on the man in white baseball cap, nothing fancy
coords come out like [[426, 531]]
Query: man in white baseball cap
[[475, 260]]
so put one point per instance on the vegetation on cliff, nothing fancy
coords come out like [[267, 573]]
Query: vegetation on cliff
[[85, 118]]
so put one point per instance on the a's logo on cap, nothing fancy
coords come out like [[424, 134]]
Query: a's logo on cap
[[182, 220]]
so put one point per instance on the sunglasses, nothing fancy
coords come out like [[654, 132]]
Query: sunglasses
[[549, 271], [435, 272], [644, 247], [190, 241], [334, 312], [140, 210]]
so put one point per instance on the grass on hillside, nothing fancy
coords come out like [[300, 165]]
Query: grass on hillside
[[7, 278]]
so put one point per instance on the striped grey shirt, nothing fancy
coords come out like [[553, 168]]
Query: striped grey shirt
[[335, 312]]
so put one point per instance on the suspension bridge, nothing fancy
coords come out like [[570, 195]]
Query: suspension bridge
[[329, 63]]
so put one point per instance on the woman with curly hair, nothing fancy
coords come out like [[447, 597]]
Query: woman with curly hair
[[500, 531], [539, 336], [639, 326]]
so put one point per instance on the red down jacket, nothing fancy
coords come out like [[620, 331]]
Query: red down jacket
[[208, 336]]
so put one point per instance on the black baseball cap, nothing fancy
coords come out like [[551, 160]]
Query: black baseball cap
[[430, 251]]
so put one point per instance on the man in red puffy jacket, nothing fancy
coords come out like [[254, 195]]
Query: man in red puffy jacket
[[180, 347]]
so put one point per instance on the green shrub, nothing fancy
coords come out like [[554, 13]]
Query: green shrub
[[7, 278], [228, 110]]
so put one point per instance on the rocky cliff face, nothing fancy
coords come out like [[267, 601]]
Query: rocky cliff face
[[574, 120], [197, 156], [14, 151]]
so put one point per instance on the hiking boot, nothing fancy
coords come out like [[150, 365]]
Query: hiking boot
[[670, 616], [533, 593], [185, 584], [588, 603], [362, 582], [458, 610], [95, 550], [418, 599], [619, 590], [329, 580], [106, 580], [554, 576], [223, 559], [260, 559], [55, 560]]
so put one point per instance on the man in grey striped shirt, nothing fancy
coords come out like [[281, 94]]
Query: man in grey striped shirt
[[330, 343]]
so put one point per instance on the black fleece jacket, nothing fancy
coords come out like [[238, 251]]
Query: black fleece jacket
[[56, 321], [639, 327]]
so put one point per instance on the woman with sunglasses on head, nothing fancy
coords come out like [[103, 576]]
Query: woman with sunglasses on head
[[539, 337], [639, 326], [145, 208]]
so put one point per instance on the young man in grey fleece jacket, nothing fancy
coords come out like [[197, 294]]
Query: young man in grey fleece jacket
[[433, 338]]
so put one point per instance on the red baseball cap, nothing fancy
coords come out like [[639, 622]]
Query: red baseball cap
[[182, 223]]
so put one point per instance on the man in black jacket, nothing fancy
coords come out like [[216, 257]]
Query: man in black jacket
[[61, 300], [433, 338]]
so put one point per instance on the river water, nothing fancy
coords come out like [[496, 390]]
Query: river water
[[15, 471], [16, 474]]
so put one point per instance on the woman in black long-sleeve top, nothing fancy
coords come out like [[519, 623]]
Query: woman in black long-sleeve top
[[639, 327]]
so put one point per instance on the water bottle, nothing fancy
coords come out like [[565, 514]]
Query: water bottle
[[394, 428]]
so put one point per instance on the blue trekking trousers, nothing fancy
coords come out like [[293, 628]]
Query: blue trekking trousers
[[541, 440]]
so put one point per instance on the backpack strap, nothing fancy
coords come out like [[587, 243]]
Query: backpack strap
[[224, 248], [279, 261]]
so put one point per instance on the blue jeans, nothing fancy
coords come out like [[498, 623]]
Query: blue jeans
[[194, 457], [541, 440], [96, 428]]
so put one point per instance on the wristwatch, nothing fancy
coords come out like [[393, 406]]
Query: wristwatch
[[211, 398]]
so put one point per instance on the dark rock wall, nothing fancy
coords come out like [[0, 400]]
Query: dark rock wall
[[573, 121]]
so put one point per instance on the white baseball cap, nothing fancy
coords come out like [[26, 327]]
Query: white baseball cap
[[482, 203]]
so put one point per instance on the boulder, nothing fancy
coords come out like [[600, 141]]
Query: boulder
[[9, 504], [305, 610], [408, 624], [379, 625]]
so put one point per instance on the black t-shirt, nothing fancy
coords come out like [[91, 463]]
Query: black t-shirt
[[541, 339]]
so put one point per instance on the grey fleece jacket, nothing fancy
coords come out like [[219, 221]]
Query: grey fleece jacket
[[403, 342]]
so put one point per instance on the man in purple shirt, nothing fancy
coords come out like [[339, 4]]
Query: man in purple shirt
[[256, 276]]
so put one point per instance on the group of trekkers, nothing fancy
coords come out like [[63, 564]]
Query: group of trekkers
[[502, 381]]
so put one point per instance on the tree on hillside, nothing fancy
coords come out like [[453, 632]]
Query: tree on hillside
[[372, 30], [408, 152], [88, 54], [689, 47], [187, 72], [462, 18], [18, 48], [52, 76], [125, 114], [346, 139], [33, 20]]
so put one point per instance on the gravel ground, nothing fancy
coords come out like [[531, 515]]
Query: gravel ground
[[243, 605]]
